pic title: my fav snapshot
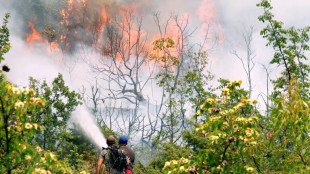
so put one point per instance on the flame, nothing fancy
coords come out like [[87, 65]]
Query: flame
[[174, 32], [34, 36], [84, 22], [208, 15]]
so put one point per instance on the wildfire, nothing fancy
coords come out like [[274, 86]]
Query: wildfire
[[84, 23], [34, 35], [208, 15]]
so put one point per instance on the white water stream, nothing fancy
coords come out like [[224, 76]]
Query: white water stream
[[85, 122]]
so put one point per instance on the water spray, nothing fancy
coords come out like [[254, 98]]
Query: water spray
[[85, 122]]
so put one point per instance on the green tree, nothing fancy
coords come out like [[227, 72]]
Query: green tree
[[168, 81], [60, 102], [287, 138], [290, 46], [19, 153], [4, 37]]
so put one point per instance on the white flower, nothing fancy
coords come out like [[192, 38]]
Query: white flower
[[19, 104], [15, 90], [249, 132], [26, 91]]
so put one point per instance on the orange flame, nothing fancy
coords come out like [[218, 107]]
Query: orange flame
[[208, 15], [34, 35]]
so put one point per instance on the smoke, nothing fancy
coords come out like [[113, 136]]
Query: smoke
[[86, 24], [85, 122]]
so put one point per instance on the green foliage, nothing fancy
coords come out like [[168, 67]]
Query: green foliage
[[290, 46], [4, 37], [196, 80], [60, 102], [168, 151], [20, 124], [230, 136], [139, 168], [17, 130], [287, 139]]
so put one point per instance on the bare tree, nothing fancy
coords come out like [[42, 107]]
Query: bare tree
[[172, 50], [248, 62], [123, 70], [264, 96]]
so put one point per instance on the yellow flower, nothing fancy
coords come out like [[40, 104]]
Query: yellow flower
[[235, 127], [213, 139], [15, 90], [48, 172], [210, 100], [182, 168], [8, 86], [19, 104], [38, 149], [229, 85], [198, 112], [53, 157], [26, 91], [253, 143], [174, 162], [184, 160], [249, 132], [197, 129], [210, 110], [167, 164], [42, 171], [32, 100], [35, 125], [223, 135], [28, 157], [36, 170], [225, 92], [240, 119], [40, 102], [218, 101], [239, 81], [218, 167], [169, 172], [214, 118], [231, 111], [249, 169], [31, 91], [28, 126], [83, 172], [202, 106], [18, 128]]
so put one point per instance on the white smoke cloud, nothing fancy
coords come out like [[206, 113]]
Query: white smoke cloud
[[235, 16]]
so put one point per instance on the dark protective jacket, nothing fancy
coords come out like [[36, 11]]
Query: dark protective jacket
[[131, 154]]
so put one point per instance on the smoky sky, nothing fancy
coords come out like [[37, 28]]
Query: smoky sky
[[233, 18]]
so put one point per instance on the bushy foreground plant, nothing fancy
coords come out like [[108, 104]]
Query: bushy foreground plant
[[230, 131], [286, 141], [18, 151], [17, 131]]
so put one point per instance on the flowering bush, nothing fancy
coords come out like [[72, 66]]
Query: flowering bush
[[19, 153], [231, 134]]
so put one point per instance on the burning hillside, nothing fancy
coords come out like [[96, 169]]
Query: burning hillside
[[64, 25]]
